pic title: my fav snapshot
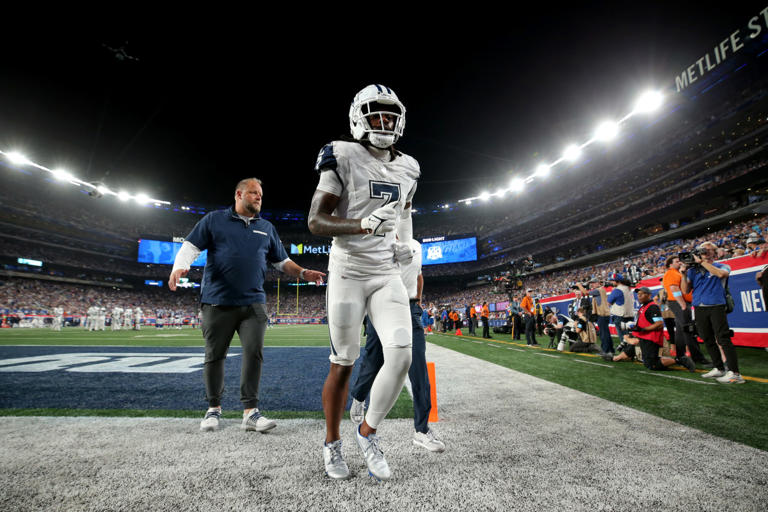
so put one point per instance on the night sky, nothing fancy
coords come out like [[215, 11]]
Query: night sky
[[206, 104]]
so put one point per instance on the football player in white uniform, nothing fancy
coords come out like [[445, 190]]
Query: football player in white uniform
[[58, 318], [137, 319], [364, 193]]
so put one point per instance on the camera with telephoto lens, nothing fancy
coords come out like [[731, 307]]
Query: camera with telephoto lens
[[687, 257], [627, 326]]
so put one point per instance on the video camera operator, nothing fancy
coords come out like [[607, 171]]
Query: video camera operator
[[602, 312], [648, 332], [708, 281], [680, 305], [622, 303]]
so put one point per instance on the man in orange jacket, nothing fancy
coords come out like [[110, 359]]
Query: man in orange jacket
[[530, 319]]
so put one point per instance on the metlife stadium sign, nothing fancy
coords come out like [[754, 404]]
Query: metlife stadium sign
[[310, 249], [725, 49]]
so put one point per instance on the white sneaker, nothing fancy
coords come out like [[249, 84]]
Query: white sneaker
[[357, 412], [731, 378], [211, 420], [374, 457], [335, 467], [256, 422], [713, 374], [428, 441]]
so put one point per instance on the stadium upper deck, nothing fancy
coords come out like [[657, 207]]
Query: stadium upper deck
[[702, 156]]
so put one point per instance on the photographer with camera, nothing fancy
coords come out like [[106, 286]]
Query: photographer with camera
[[622, 303], [680, 305], [708, 281], [587, 334], [648, 332], [601, 311], [553, 328]]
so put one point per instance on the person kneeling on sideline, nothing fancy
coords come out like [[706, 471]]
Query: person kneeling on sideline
[[648, 332]]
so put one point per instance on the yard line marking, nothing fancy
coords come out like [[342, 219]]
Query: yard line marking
[[546, 355], [516, 349], [680, 378], [492, 345], [596, 364], [478, 342]]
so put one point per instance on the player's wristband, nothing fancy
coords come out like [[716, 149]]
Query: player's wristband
[[677, 294]]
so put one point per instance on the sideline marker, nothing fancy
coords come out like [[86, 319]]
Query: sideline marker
[[432, 393]]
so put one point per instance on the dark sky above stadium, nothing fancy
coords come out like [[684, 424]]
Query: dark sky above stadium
[[200, 103]]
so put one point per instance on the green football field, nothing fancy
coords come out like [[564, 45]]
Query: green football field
[[734, 412]]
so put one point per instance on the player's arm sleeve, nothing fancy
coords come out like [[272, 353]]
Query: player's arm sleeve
[[331, 183], [330, 167], [186, 255], [405, 226], [200, 236]]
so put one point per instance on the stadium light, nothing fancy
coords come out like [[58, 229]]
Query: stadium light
[[485, 196], [141, 198], [62, 175], [607, 130], [542, 170], [648, 102], [123, 195], [501, 192], [17, 158], [572, 153], [517, 185], [101, 189]]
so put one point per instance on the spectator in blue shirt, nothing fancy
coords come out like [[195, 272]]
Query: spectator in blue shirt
[[240, 244], [708, 280]]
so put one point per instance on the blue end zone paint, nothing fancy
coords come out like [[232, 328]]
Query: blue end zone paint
[[292, 380]]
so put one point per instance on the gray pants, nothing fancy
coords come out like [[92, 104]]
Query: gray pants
[[219, 326]]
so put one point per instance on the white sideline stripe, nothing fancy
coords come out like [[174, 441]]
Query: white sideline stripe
[[590, 362], [492, 345], [516, 349], [547, 355], [681, 378], [478, 342]]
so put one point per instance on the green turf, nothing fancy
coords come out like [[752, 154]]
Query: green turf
[[284, 336], [734, 412]]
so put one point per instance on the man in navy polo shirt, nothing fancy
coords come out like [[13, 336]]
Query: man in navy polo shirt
[[708, 280], [240, 244]]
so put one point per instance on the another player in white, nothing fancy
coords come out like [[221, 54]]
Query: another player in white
[[58, 318], [365, 191]]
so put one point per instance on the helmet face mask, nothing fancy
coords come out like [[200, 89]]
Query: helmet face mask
[[376, 114]]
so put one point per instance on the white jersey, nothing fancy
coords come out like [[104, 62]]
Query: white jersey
[[363, 184]]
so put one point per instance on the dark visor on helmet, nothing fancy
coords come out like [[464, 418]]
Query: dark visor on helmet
[[375, 106]]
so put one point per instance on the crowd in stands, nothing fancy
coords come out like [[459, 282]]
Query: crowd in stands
[[33, 296]]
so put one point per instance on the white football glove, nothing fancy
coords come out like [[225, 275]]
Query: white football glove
[[381, 221], [403, 253]]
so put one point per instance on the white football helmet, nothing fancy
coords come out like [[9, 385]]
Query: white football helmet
[[376, 100]]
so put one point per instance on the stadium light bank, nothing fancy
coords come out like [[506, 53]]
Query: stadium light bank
[[93, 189], [606, 131]]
